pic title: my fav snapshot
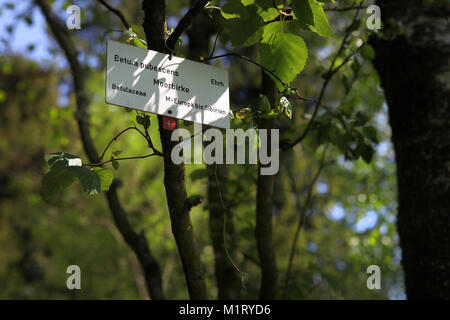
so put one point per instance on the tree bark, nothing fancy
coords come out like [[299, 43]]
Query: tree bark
[[138, 243], [174, 175], [264, 209], [228, 280], [414, 72]]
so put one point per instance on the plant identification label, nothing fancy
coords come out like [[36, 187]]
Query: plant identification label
[[149, 81]]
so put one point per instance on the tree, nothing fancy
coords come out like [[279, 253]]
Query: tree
[[273, 32], [412, 59], [136, 241]]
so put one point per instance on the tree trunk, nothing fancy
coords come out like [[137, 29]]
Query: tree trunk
[[264, 209], [228, 280], [414, 72], [138, 243], [174, 175]]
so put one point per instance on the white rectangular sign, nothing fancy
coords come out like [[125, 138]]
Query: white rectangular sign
[[149, 81]]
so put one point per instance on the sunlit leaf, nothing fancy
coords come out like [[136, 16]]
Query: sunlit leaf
[[282, 52], [106, 177], [311, 16]]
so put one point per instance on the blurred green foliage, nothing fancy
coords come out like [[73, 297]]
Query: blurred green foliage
[[350, 223]]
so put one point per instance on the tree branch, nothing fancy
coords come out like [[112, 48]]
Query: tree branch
[[222, 232], [271, 72], [117, 13], [353, 7], [264, 210], [329, 75], [101, 164], [146, 137], [174, 175], [137, 242], [302, 215], [184, 23]]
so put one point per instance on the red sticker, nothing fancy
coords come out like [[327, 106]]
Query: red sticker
[[169, 123]]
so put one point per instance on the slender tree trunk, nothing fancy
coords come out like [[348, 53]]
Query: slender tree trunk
[[174, 175], [138, 243], [228, 280], [264, 209], [414, 72]]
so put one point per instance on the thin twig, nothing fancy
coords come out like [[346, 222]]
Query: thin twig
[[302, 215], [347, 8], [331, 72], [137, 241], [114, 139], [146, 137], [117, 13], [118, 159], [271, 72], [354, 7], [224, 229], [215, 43], [184, 23]]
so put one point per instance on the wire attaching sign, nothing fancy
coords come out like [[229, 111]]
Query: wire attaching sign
[[171, 86]]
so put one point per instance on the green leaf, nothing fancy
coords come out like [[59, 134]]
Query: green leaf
[[245, 32], [115, 164], [234, 9], [89, 179], [56, 180], [282, 52], [62, 175], [244, 26], [311, 16], [106, 177], [116, 153], [264, 104], [368, 52], [266, 9], [371, 133], [139, 43], [365, 151]]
